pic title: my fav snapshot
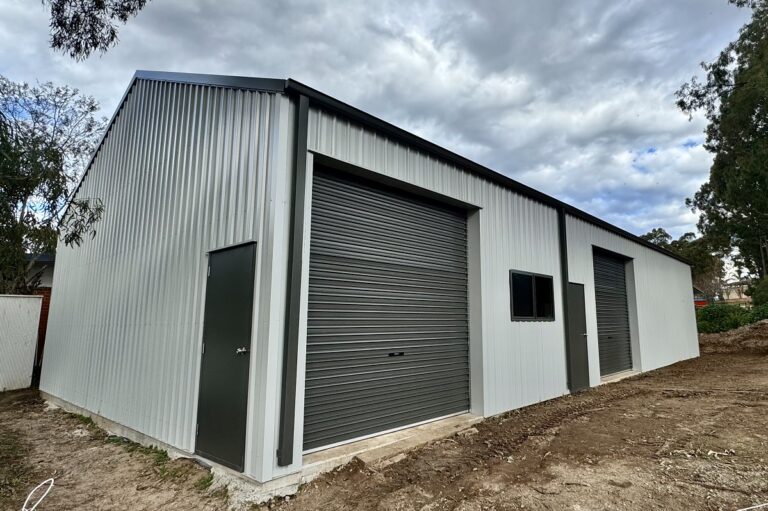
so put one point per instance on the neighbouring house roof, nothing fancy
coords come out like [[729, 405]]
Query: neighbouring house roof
[[324, 101], [41, 258]]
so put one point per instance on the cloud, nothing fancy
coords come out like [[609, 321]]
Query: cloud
[[564, 96]]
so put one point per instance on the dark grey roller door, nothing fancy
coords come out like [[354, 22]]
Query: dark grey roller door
[[612, 314], [387, 339]]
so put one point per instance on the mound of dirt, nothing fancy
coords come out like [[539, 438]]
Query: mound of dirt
[[751, 339]]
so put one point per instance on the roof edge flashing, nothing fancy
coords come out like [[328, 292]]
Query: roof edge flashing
[[234, 82]]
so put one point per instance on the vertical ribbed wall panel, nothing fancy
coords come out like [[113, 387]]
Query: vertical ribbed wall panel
[[524, 361], [663, 297], [182, 170], [19, 317]]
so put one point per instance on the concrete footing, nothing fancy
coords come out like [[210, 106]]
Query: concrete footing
[[612, 378]]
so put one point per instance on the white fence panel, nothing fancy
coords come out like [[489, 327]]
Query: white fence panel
[[19, 318]]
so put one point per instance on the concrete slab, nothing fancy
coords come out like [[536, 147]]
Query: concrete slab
[[379, 449], [611, 378]]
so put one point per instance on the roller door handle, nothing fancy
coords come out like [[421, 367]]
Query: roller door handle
[[396, 354]]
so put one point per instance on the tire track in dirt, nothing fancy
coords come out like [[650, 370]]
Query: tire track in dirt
[[449, 466]]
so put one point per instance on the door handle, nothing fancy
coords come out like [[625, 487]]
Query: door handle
[[584, 335], [240, 351]]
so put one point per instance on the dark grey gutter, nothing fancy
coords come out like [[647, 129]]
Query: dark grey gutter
[[295, 255]]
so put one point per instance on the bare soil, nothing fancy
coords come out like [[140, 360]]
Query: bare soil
[[750, 339], [91, 470], [690, 436]]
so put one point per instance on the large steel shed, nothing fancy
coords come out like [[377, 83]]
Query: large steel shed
[[278, 272]]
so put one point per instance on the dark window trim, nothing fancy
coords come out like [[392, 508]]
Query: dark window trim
[[511, 299]]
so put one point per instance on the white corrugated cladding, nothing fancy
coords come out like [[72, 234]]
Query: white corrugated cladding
[[666, 326], [184, 169], [523, 362], [19, 317]]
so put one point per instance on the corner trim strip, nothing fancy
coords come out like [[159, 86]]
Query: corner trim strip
[[291, 348]]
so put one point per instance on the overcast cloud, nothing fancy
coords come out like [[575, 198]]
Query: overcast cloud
[[573, 98]]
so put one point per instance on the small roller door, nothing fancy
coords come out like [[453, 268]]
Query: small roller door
[[387, 339], [612, 314]]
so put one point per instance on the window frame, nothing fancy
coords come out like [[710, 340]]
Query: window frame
[[535, 316]]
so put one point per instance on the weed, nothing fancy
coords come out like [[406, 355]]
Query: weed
[[204, 482], [85, 420], [159, 456]]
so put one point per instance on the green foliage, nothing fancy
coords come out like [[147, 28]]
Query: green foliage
[[163, 466], [85, 420], [159, 456], [204, 482], [758, 313], [734, 201], [759, 292], [80, 28], [658, 236], [720, 318], [47, 135]]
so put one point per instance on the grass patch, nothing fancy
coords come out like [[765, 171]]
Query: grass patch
[[88, 423], [159, 456], [204, 482], [84, 420], [15, 471], [162, 465]]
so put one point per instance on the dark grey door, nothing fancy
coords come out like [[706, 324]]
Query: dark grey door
[[221, 413], [612, 313], [578, 370], [387, 339]]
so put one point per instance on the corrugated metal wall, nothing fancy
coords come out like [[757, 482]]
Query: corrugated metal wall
[[524, 361], [184, 169], [19, 318], [663, 297]]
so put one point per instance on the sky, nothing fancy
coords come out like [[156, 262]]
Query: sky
[[574, 98]]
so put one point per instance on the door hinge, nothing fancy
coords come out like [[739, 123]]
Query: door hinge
[[203, 353], [197, 429], [209, 270]]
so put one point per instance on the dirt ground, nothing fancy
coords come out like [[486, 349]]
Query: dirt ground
[[91, 470], [689, 436]]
